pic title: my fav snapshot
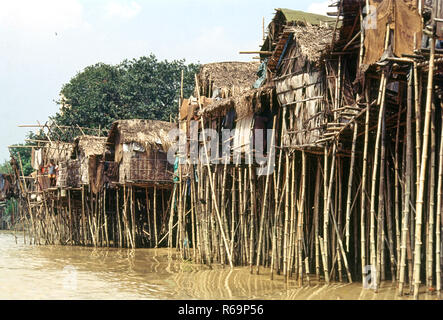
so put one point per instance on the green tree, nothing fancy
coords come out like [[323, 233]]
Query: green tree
[[25, 157], [143, 88], [5, 168]]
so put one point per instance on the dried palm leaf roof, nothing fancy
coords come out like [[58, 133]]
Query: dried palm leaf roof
[[307, 25], [90, 145], [149, 133], [313, 40], [228, 76], [58, 151], [244, 104]]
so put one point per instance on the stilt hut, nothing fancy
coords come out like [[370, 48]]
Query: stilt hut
[[87, 161], [145, 181], [57, 152], [140, 148], [220, 190]]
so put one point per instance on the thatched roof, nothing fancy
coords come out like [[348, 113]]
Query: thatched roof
[[231, 77], [58, 151], [244, 104], [190, 106], [148, 133], [312, 32], [90, 145], [312, 40]]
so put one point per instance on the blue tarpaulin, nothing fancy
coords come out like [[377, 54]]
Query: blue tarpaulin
[[261, 74]]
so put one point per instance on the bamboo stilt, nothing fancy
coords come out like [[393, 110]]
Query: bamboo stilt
[[265, 202], [325, 216], [301, 207], [351, 174], [438, 220], [316, 220], [407, 183], [389, 223], [430, 224], [396, 181], [171, 216], [374, 170], [424, 156], [286, 225], [381, 207], [363, 192]]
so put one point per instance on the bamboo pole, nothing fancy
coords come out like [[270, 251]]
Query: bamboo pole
[[438, 216], [83, 216], [70, 217], [117, 210], [338, 211], [133, 213], [253, 212], [424, 157], [211, 182], [396, 178], [155, 217], [430, 224], [233, 210], [381, 206], [417, 116], [193, 214], [286, 225], [171, 216], [301, 208], [351, 174], [316, 219], [180, 228], [105, 217], [328, 202], [264, 206], [363, 190], [389, 222], [276, 212], [292, 218], [325, 216], [223, 203], [407, 194], [340, 243], [243, 234], [381, 99], [323, 255]]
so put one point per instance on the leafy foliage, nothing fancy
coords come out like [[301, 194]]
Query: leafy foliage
[[25, 157], [143, 88], [5, 168]]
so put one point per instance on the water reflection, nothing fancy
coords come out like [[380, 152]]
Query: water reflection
[[62, 272]]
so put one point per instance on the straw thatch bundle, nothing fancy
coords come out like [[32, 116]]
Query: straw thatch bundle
[[230, 78], [245, 104], [152, 134], [90, 145], [58, 151], [312, 40], [218, 106]]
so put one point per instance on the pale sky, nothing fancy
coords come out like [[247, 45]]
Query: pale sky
[[44, 43]]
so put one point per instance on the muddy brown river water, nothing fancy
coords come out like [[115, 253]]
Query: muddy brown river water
[[64, 272]]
